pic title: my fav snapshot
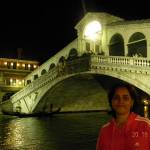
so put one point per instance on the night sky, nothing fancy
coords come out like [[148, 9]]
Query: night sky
[[42, 29]]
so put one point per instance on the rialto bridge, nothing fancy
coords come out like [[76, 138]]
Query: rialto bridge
[[106, 45]]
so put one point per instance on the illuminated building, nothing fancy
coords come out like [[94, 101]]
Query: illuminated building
[[12, 74]]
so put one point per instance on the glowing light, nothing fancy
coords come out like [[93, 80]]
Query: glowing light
[[92, 30], [29, 65], [11, 80], [23, 65], [11, 63], [5, 63], [19, 82], [146, 102], [34, 66], [18, 64]]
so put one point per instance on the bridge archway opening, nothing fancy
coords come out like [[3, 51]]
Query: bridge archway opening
[[62, 59], [87, 91], [137, 45], [76, 93], [43, 72], [52, 66], [73, 54], [105, 81], [116, 45]]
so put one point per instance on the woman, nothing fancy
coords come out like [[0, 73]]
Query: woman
[[127, 130]]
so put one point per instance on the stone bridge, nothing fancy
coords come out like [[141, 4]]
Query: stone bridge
[[135, 71], [106, 46]]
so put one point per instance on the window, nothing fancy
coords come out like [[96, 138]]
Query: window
[[87, 46]]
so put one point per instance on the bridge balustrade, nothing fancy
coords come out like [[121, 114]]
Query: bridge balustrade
[[82, 64], [130, 61], [72, 66], [33, 86], [119, 63]]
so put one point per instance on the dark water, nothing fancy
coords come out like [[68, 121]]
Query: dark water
[[75, 131]]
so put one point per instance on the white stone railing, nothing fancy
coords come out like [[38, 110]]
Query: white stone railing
[[36, 84], [134, 62], [49, 76]]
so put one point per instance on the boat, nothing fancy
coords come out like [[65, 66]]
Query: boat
[[37, 114]]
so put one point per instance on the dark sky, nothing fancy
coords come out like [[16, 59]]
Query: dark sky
[[43, 28]]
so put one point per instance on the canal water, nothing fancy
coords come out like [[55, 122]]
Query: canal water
[[74, 131]]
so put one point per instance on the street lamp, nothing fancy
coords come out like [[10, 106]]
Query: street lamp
[[92, 32]]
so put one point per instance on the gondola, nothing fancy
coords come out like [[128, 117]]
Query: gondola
[[38, 114]]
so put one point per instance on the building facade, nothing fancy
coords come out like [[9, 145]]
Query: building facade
[[12, 74]]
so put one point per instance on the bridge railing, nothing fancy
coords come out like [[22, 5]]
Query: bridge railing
[[134, 62], [36, 84], [71, 66], [80, 64]]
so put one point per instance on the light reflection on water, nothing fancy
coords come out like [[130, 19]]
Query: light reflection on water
[[76, 131]]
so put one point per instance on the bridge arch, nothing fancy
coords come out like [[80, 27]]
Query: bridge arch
[[43, 72], [73, 54], [116, 45], [61, 59], [122, 77], [137, 45], [126, 78], [52, 66], [69, 98]]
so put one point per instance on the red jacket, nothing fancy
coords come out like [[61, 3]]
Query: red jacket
[[134, 135]]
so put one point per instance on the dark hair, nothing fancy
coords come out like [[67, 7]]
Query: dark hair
[[133, 94]]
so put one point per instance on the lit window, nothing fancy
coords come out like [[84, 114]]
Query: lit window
[[19, 82], [29, 65], [18, 64], [5, 63], [23, 65], [11, 80], [34, 66], [11, 63]]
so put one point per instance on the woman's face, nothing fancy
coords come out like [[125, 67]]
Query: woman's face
[[122, 101]]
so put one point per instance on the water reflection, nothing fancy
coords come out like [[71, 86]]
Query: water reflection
[[14, 138], [61, 132]]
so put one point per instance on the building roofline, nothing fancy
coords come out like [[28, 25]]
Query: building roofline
[[18, 60]]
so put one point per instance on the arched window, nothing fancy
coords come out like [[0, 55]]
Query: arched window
[[116, 45], [62, 59], [73, 54], [28, 81], [43, 71], [137, 45], [52, 66]]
